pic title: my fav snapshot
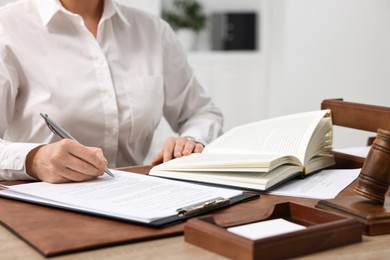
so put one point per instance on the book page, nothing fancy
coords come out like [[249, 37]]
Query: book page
[[129, 195], [282, 135], [226, 162], [247, 180]]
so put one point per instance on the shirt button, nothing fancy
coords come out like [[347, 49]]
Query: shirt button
[[100, 61]]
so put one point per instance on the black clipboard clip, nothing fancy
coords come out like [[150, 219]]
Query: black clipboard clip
[[202, 206]]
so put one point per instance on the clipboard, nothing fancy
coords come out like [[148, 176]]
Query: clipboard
[[41, 230], [183, 213], [202, 208]]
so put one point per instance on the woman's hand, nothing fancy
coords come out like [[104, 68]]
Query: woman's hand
[[176, 147], [65, 161]]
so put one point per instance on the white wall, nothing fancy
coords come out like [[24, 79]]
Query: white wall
[[329, 49]]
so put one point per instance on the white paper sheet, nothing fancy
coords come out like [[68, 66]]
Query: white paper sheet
[[265, 228], [359, 151], [128, 195], [322, 185]]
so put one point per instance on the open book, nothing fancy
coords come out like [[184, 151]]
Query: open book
[[259, 155]]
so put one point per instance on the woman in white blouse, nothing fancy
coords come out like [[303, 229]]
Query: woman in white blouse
[[106, 73]]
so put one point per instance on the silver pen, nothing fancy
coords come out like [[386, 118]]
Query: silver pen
[[58, 130]]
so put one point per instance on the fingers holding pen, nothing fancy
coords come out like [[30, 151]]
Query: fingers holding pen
[[93, 158], [65, 161]]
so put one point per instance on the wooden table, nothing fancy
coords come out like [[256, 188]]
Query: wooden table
[[372, 247]]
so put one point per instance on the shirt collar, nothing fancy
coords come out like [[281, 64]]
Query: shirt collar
[[111, 8], [49, 8]]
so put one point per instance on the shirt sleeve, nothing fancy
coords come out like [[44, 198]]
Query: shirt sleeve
[[12, 155], [187, 108], [12, 160]]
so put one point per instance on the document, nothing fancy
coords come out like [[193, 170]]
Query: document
[[128, 196], [359, 151], [322, 185]]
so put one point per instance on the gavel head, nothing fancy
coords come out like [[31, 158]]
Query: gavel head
[[374, 178]]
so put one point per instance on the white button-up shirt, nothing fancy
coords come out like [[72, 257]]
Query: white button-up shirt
[[109, 92]]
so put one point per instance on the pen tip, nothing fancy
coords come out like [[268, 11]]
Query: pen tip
[[109, 173]]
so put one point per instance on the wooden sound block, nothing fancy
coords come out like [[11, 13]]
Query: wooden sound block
[[374, 216], [324, 230]]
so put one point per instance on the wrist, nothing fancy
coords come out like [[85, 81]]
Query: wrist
[[29, 163]]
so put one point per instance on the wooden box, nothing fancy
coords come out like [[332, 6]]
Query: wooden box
[[324, 230]]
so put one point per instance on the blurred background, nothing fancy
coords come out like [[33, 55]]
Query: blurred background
[[265, 58]]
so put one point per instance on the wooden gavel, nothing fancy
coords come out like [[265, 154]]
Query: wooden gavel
[[374, 178]]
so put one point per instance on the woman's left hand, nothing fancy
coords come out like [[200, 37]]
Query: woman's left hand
[[175, 147]]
